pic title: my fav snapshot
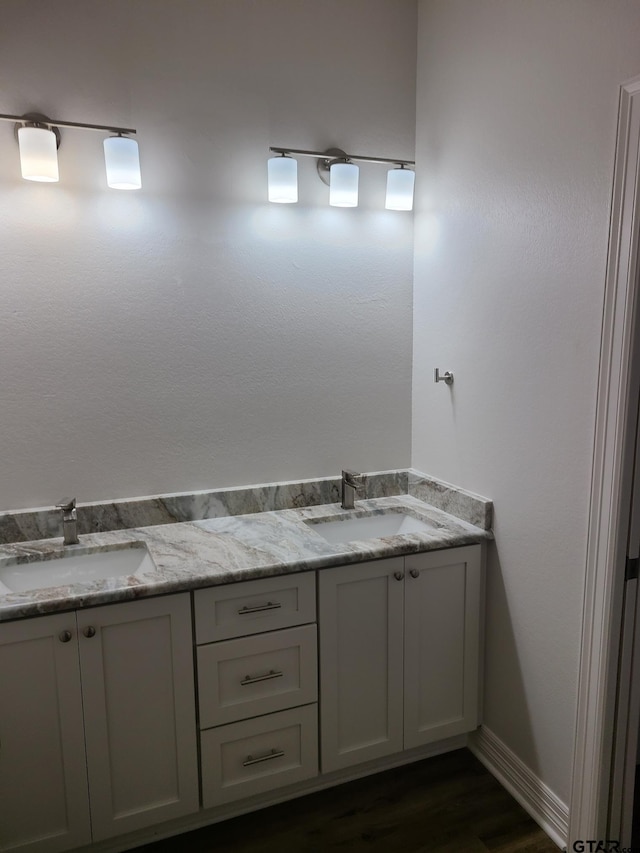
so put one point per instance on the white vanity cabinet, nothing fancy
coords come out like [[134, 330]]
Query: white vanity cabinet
[[399, 653], [257, 686], [97, 723]]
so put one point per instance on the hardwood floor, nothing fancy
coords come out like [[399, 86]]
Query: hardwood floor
[[446, 804], [635, 828]]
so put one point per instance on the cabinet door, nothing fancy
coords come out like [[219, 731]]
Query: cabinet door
[[43, 778], [442, 644], [139, 705], [360, 632]]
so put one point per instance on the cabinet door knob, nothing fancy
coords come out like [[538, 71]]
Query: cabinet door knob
[[414, 573], [398, 575], [65, 636], [89, 631]]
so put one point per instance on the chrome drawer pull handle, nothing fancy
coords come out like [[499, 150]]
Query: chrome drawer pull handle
[[275, 753], [270, 605], [254, 679]]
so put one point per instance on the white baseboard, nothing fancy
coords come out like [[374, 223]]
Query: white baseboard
[[534, 796]]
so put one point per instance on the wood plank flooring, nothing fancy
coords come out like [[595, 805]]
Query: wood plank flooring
[[446, 804], [635, 827]]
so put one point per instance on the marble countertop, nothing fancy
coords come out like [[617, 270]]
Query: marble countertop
[[193, 554]]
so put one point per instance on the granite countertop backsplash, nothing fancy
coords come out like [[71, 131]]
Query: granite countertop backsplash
[[233, 535]]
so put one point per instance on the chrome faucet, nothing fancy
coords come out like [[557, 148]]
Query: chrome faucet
[[69, 521], [351, 483]]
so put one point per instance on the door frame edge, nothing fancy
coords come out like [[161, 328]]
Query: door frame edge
[[610, 491]]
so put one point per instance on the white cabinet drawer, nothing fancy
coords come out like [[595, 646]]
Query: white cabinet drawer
[[259, 755], [257, 675], [239, 609]]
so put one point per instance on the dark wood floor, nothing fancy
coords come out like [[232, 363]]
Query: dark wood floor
[[446, 804], [635, 831]]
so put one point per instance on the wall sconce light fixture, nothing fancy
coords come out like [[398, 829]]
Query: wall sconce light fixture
[[337, 169], [343, 184], [283, 179], [39, 139], [38, 153], [400, 183]]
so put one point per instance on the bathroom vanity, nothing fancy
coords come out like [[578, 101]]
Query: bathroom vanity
[[135, 708]]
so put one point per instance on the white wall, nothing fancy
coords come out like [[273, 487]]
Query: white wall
[[192, 335], [517, 106]]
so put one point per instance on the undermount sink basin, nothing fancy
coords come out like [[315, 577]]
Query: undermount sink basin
[[370, 527], [73, 567]]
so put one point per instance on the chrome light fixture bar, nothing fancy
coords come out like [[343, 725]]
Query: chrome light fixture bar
[[333, 153], [39, 138], [337, 169]]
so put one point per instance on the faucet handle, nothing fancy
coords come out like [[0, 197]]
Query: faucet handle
[[66, 504], [353, 479]]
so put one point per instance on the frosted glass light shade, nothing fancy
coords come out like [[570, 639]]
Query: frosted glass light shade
[[122, 163], [38, 154], [343, 185], [400, 183], [283, 180]]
